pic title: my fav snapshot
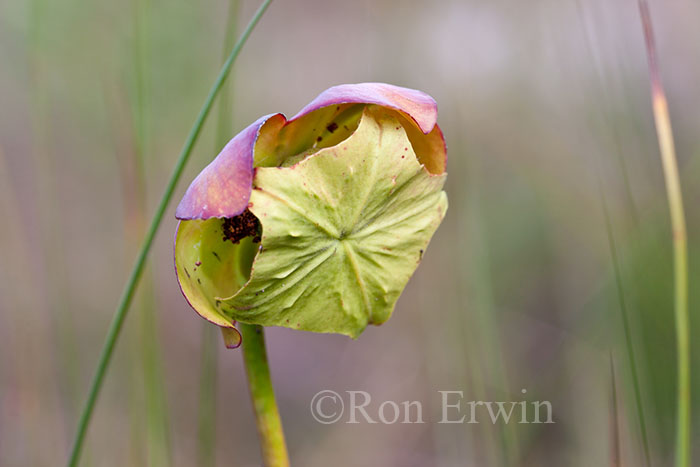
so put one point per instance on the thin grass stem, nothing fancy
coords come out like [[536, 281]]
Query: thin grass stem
[[679, 240], [128, 293]]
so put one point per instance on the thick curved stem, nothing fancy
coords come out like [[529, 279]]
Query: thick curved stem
[[267, 417]]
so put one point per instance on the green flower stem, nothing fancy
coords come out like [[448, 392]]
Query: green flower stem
[[679, 239], [128, 293], [267, 417]]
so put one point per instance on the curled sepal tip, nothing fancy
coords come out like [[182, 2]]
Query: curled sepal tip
[[232, 338]]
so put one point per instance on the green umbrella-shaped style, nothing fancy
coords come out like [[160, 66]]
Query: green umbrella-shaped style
[[317, 222]]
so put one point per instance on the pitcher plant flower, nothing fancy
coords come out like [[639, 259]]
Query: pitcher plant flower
[[317, 222]]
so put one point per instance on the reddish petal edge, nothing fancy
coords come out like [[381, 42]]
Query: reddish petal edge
[[441, 137], [416, 104], [230, 342], [223, 188]]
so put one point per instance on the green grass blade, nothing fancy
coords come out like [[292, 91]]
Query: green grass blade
[[128, 293], [679, 240]]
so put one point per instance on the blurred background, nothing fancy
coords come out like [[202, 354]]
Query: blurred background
[[546, 110]]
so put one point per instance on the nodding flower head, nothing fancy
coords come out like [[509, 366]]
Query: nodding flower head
[[316, 222]]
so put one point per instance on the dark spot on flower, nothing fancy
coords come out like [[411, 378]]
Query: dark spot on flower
[[218, 303], [346, 128], [421, 254], [332, 127], [198, 281], [242, 226], [198, 263], [188, 274], [215, 255], [405, 149], [319, 139]]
